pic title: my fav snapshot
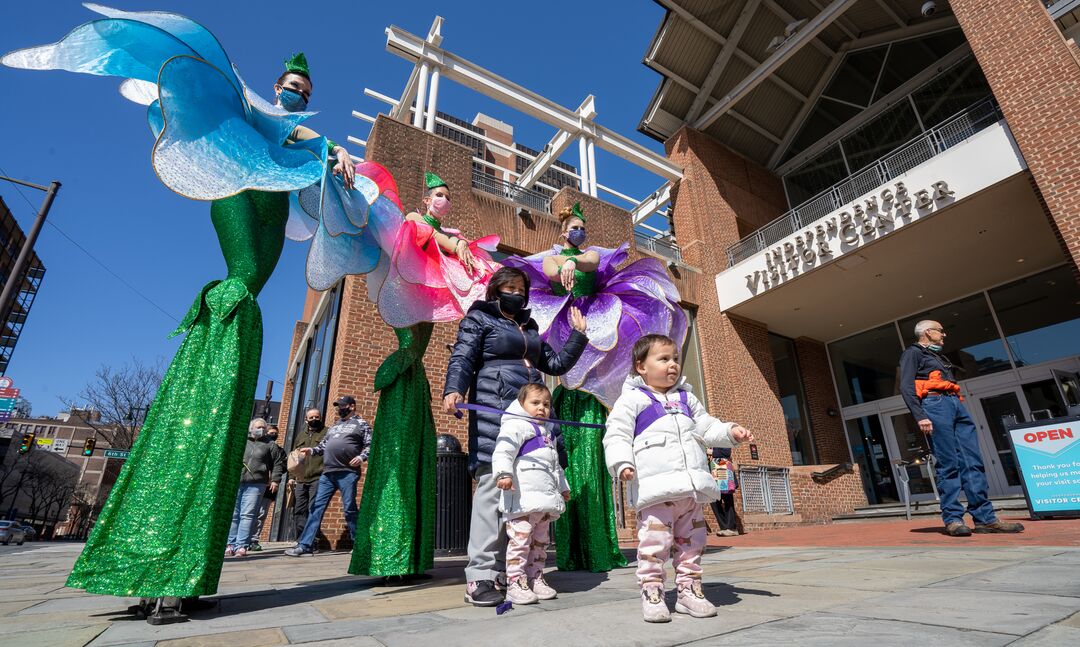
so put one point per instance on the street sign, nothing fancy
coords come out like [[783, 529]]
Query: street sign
[[9, 397], [116, 453], [45, 442], [60, 445]]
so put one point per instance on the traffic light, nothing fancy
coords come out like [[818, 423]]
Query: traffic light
[[88, 446], [27, 442]]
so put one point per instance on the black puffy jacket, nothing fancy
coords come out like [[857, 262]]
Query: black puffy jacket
[[492, 359]]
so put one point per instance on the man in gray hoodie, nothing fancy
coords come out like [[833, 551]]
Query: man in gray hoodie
[[260, 467], [344, 449]]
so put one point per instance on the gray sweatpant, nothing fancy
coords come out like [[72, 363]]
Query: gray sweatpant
[[487, 541]]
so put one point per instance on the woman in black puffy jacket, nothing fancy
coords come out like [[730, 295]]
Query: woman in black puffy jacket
[[498, 350]]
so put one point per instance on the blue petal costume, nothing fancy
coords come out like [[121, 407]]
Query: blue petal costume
[[163, 530]]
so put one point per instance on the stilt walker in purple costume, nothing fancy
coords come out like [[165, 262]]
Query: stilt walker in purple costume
[[621, 306], [161, 535]]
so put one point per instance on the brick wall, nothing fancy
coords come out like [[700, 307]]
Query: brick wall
[[829, 440], [1035, 76], [820, 502]]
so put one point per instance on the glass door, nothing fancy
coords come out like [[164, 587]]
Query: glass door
[[1069, 385], [998, 411], [870, 450], [910, 454]]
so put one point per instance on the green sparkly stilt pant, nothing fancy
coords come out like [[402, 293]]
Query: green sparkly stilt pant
[[395, 529], [163, 530], [586, 537]]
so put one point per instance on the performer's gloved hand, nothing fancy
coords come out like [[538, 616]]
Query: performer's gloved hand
[[566, 274], [464, 254]]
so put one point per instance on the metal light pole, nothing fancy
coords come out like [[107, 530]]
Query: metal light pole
[[28, 246]]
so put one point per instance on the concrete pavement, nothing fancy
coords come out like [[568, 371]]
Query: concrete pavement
[[955, 592]]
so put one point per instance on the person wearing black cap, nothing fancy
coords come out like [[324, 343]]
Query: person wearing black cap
[[344, 449]]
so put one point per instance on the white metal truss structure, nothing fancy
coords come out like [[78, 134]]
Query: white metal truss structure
[[432, 63]]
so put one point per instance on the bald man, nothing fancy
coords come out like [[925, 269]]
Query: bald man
[[931, 393]]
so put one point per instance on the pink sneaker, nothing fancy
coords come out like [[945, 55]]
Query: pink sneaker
[[518, 592], [241, 552], [692, 601], [653, 607], [229, 552], [542, 589]]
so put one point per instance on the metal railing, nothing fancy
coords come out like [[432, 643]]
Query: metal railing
[[929, 144], [765, 490], [659, 246], [528, 198]]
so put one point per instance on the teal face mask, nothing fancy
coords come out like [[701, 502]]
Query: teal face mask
[[935, 347]]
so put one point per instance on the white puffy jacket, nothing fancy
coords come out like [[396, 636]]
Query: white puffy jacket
[[538, 480], [670, 457]]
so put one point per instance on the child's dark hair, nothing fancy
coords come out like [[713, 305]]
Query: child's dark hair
[[503, 276], [643, 345], [532, 387]]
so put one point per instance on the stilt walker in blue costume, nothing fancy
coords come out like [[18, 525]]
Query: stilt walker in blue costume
[[162, 532]]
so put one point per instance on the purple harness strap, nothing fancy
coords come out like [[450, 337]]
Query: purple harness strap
[[534, 443], [658, 410]]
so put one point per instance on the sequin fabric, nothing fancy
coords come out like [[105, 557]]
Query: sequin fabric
[[163, 529], [395, 531], [586, 537]]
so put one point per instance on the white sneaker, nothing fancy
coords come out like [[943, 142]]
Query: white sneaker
[[653, 607], [692, 601], [518, 592], [542, 589]]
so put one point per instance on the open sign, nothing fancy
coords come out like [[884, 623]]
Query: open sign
[[1050, 434]]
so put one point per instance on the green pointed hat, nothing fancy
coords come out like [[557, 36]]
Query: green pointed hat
[[297, 64], [576, 210], [432, 181]]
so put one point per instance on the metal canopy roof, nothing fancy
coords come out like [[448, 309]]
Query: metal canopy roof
[[748, 71]]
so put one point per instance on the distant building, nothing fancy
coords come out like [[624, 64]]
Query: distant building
[[14, 317]]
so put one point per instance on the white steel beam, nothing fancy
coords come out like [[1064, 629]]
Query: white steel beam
[[651, 204], [556, 147], [583, 165], [849, 28], [722, 59], [807, 34], [421, 95], [712, 34], [400, 110], [472, 76], [433, 101], [920, 28], [815, 94], [783, 14], [591, 144]]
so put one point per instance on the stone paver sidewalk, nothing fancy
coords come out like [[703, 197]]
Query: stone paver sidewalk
[[956, 594]]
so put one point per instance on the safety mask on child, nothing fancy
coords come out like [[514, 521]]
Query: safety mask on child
[[440, 206]]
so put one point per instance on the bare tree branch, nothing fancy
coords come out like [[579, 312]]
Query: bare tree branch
[[115, 402]]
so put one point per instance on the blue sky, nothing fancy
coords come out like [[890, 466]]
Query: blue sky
[[77, 129]]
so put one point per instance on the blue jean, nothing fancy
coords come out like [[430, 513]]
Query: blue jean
[[328, 483], [959, 461], [247, 508]]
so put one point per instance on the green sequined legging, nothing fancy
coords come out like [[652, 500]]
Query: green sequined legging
[[586, 537]]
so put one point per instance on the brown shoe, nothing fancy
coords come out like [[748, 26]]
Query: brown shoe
[[957, 529], [999, 526]]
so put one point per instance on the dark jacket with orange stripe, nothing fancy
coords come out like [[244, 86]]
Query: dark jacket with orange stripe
[[922, 370]]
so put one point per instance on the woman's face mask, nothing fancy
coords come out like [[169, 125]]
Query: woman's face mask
[[291, 100], [439, 206], [576, 237], [511, 303]]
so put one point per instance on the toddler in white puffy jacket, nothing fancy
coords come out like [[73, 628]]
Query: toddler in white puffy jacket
[[657, 435], [525, 465]]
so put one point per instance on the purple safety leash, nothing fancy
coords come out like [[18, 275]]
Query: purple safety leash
[[487, 409]]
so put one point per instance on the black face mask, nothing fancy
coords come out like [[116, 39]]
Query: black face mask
[[344, 412], [511, 304], [315, 425]]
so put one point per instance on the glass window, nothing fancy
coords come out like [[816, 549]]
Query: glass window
[[815, 176], [866, 365], [867, 442], [881, 135], [972, 342], [856, 76], [914, 449], [959, 87], [908, 58], [1040, 316], [1044, 399], [792, 400], [691, 357]]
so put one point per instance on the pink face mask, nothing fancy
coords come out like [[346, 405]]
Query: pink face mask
[[440, 206]]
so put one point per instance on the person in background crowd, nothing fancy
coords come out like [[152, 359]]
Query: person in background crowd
[[724, 509], [270, 495], [259, 468], [930, 391], [344, 450], [305, 485]]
